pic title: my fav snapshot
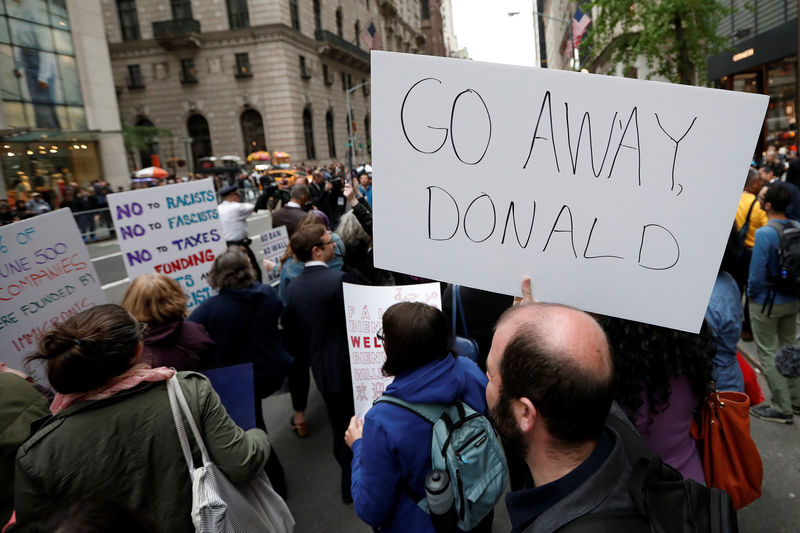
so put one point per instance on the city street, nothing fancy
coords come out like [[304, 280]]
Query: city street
[[312, 474]]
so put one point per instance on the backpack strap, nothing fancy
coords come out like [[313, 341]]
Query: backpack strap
[[746, 226], [429, 412]]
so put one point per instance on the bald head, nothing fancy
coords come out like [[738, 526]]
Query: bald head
[[557, 357]]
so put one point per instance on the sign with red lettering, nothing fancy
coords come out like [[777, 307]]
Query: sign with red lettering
[[46, 276], [173, 230], [364, 307], [615, 195]]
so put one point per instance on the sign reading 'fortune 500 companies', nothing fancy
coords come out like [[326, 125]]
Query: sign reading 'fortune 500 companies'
[[173, 230]]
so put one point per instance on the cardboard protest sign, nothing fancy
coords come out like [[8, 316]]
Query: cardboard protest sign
[[364, 307], [274, 243], [615, 195], [46, 276], [173, 230]]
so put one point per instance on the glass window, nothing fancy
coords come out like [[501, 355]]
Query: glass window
[[15, 114], [344, 81], [253, 131], [69, 80], [4, 35], [331, 136], [135, 79], [238, 15], [317, 16], [308, 132], [426, 9], [128, 20], [8, 83], [243, 65], [63, 42], [181, 9], [58, 14], [357, 30], [32, 10], [188, 73], [197, 127], [77, 117], [295, 14], [339, 23], [781, 113], [31, 35], [326, 75], [303, 69]]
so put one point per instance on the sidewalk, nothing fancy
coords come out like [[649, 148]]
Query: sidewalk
[[778, 509]]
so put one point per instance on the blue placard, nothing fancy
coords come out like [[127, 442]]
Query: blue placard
[[234, 384]]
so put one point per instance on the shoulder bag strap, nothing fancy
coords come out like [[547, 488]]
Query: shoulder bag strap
[[453, 309], [746, 225], [176, 416], [461, 316], [176, 394]]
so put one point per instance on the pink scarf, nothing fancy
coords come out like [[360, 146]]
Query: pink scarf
[[128, 380]]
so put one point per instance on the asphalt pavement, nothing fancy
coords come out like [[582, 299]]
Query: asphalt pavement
[[312, 473]]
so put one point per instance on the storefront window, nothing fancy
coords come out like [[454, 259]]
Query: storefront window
[[781, 113], [49, 168]]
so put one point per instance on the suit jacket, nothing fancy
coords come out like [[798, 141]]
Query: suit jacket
[[289, 217], [315, 324]]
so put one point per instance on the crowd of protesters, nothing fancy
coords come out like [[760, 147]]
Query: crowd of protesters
[[546, 376]]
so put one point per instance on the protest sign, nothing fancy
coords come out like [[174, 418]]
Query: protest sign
[[173, 230], [364, 307], [46, 276], [274, 243], [615, 195]]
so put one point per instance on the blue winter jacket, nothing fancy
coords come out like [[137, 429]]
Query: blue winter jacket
[[395, 448]]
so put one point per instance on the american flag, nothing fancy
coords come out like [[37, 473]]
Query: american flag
[[371, 37], [580, 22]]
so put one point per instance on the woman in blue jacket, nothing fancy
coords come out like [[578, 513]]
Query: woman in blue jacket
[[391, 451]]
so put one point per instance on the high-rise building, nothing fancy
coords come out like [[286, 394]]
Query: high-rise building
[[59, 120], [235, 76]]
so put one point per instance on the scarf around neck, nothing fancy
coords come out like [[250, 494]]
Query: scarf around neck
[[131, 378]]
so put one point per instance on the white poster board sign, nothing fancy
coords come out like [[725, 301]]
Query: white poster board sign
[[615, 195], [364, 307], [173, 230], [274, 243], [46, 276]]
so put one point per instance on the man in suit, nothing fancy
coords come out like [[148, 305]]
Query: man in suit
[[316, 330], [292, 213]]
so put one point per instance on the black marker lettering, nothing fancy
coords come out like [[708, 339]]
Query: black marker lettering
[[574, 157], [513, 217], [452, 133], [589, 240], [675, 154], [641, 246], [403, 120], [570, 230], [494, 218], [430, 201], [635, 117], [545, 100]]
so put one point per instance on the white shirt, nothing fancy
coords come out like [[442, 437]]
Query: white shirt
[[233, 217], [315, 263]]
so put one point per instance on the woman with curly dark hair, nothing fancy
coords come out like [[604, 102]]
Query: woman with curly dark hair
[[661, 378]]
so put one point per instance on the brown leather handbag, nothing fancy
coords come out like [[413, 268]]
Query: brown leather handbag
[[731, 461]]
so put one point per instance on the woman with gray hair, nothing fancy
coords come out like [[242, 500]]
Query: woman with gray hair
[[242, 320]]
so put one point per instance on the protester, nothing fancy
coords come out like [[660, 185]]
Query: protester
[[662, 376], [550, 390], [119, 407], [390, 455], [159, 302], [37, 205], [20, 404], [749, 212], [316, 334], [292, 213], [773, 314], [83, 204]]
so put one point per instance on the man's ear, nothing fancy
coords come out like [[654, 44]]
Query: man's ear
[[526, 414]]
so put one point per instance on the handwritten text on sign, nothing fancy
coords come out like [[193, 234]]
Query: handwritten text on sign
[[274, 243], [364, 307], [615, 195], [173, 230], [46, 276]]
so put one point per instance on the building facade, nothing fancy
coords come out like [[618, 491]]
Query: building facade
[[764, 40], [236, 76], [432, 27], [59, 120]]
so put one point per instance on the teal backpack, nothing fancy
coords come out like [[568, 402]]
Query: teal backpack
[[465, 445]]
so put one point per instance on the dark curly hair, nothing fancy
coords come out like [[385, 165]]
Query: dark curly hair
[[231, 270], [647, 356]]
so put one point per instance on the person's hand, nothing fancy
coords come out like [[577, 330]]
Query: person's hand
[[5, 368], [268, 265], [354, 431], [527, 293], [349, 194], [328, 186], [356, 187]]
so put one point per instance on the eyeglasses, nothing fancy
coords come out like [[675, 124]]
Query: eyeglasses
[[323, 244], [380, 335]]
